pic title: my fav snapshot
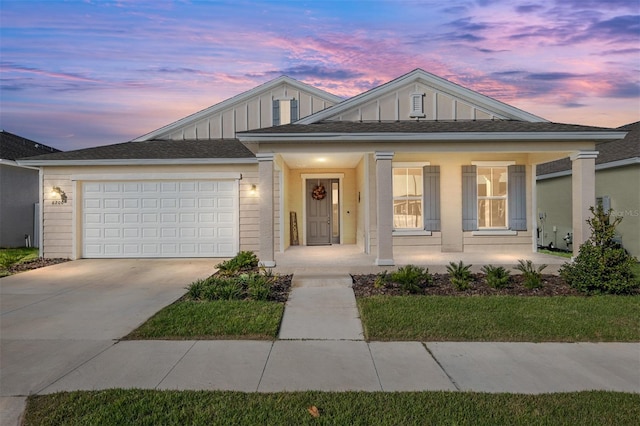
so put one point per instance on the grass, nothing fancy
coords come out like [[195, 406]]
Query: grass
[[14, 256], [219, 319], [501, 318], [565, 254], [152, 407]]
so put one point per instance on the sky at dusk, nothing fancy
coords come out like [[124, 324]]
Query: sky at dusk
[[76, 74]]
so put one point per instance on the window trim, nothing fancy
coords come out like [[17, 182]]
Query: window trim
[[411, 165], [493, 229], [417, 99]]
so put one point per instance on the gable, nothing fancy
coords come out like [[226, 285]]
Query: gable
[[438, 99], [247, 111]]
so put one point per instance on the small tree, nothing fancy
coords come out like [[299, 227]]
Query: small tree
[[602, 266]]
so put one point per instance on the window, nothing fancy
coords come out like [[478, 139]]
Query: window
[[492, 197], [417, 108], [407, 198], [285, 111]]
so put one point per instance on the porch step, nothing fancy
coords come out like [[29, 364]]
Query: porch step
[[321, 308]]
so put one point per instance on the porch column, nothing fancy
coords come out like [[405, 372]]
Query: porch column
[[384, 208], [583, 188], [265, 188]]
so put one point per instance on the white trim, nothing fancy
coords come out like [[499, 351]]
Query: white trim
[[584, 155], [554, 175], [304, 177], [493, 233], [139, 162], [239, 99], [410, 233], [493, 163], [367, 210], [75, 245], [532, 222], [410, 164], [417, 112], [41, 213], [384, 155], [441, 136], [12, 163], [156, 176], [265, 156]]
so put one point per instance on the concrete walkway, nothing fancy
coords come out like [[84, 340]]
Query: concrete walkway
[[320, 347]]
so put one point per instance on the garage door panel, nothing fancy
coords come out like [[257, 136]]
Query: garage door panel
[[160, 219]]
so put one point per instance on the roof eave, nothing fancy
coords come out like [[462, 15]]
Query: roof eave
[[137, 162], [440, 136]]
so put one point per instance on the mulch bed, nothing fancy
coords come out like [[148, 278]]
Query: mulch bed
[[552, 285], [35, 264], [280, 289]]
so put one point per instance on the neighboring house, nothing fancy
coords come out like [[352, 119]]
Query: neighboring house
[[19, 191], [617, 181], [418, 163]]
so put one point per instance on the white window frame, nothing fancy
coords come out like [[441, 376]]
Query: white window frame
[[417, 105], [410, 165], [494, 164]]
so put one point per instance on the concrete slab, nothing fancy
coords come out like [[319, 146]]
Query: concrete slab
[[127, 364], [324, 313], [11, 409], [28, 366], [408, 366], [319, 365], [321, 280], [220, 365], [540, 367]]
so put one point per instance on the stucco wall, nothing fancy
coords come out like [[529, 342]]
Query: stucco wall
[[18, 194]]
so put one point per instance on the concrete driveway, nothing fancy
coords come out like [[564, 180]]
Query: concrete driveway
[[54, 319]]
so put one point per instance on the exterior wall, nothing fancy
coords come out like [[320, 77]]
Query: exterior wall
[[397, 106], [296, 201], [62, 228], [554, 199], [18, 194], [249, 114]]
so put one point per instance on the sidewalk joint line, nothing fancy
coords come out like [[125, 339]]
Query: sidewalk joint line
[[175, 365], [264, 368], [451, 379], [375, 367]]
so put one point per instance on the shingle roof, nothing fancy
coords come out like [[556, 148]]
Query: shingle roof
[[622, 149], [490, 126], [157, 149], [13, 147]]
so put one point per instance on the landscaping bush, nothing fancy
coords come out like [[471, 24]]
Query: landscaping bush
[[258, 286], [411, 278], [532, 275], [496, 276], [253, 286], [602, 266], [460, 275], [242, 262]]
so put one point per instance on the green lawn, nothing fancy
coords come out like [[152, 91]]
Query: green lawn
[[13, 256], [501, 318], [219, 319], [150, 407]]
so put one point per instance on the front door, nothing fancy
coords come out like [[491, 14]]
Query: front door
[[323, 227]]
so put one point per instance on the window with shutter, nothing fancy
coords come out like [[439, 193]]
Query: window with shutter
[[431, 191], [285, 111]]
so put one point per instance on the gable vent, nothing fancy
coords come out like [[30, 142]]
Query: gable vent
[[417, 105]]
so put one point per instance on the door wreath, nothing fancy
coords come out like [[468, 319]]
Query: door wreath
[[319, 192]]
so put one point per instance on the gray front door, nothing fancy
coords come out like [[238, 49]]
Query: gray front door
[[319, 205]]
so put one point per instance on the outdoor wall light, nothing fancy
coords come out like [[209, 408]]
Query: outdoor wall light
[[56, 192], [253, 190]]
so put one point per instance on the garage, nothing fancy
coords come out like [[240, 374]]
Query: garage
[[177, 218]]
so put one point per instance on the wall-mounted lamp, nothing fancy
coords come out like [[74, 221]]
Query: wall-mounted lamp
[[253, 190], [56, 192]]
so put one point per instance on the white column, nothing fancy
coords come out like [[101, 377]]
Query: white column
[[583, 188], [384, 208], [265, 189]]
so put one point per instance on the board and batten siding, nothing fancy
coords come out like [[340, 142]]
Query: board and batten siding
[[397, 106], [251, 114], [62, 225]]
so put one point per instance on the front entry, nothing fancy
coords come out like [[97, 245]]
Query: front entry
[[323, 212]]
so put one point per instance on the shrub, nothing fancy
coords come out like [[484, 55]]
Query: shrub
[[412, 278], [602, 266], [532, 275], [258, 286], [381, 280], [460, 275], [496, 276], [195, 289], [243, 261]]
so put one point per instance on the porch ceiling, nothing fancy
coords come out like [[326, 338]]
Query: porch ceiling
[[322, 160]]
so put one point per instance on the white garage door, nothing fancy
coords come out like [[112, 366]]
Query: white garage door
[[160, 219]]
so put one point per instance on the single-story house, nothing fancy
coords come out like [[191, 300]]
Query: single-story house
[[416, 163], [616, 187], [19, 195]]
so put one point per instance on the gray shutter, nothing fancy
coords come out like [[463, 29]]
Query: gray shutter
[[276, 113], [469, 198], [431, 188], [517, 198], [294, 110]]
